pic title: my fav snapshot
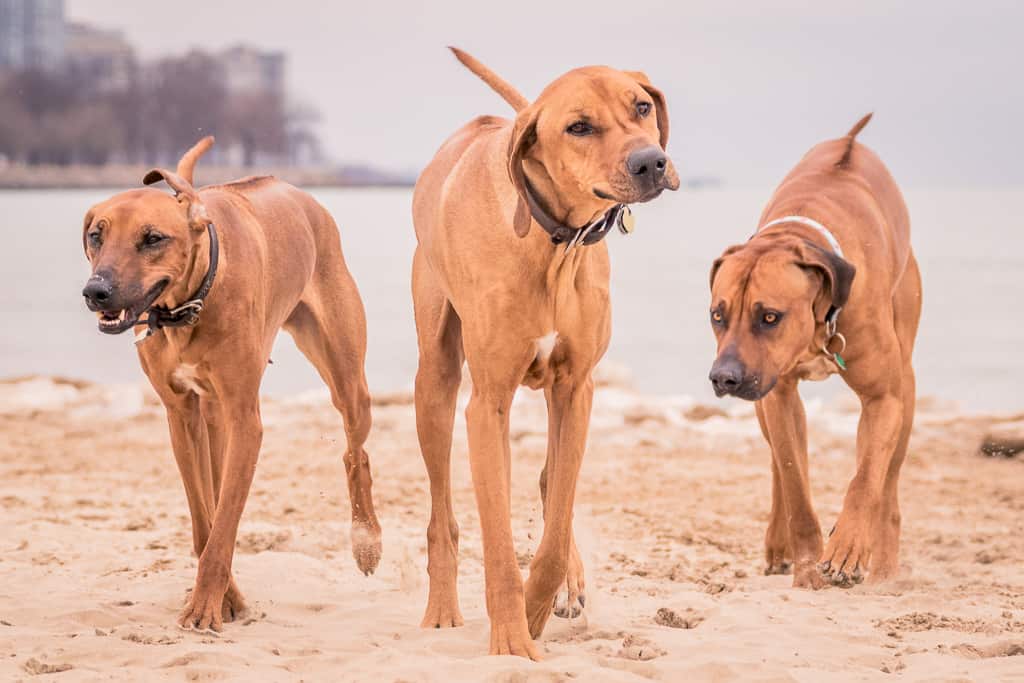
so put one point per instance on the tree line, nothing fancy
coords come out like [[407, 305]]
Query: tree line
[[63, 117]]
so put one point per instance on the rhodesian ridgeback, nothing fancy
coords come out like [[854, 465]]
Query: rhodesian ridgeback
[[786, 306], [511, 275], [218, 271]]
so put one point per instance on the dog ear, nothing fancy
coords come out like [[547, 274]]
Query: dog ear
[[524, 135], [660, 108], [186, 194], [837, 276], [86, 224], [720, 260]]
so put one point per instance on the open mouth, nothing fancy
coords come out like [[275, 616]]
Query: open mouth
[[116, 322]]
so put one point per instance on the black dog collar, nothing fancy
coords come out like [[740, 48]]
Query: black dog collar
[[588, 234], [187, 313]]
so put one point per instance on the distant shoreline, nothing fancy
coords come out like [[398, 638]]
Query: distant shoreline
[[77, 177]]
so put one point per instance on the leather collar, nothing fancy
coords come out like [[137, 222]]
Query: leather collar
[[187, 313], [591, 233]]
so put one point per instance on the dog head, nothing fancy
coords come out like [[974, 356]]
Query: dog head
[[767, 297], [594, 138], [139, 243]]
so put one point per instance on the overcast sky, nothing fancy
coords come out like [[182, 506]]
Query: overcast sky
[[750, 87]]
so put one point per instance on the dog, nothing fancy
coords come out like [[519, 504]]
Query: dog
[[827, 285], [218, 271], [511, 275]]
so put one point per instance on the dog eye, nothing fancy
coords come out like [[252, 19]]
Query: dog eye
[[152, 238], [717, 317], [771, 318], [643, 108], [95, 238], [579, 129]]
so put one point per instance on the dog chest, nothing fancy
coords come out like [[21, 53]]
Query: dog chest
[[186, 378]]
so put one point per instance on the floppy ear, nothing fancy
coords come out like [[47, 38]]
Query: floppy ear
[[837, 276], [720, 260], [660, 108], [89, 215], [186, 194], [524, 135]]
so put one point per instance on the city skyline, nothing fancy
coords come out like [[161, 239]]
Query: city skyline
[[750, 87]]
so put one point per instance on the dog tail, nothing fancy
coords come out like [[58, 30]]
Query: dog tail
[[497, 83], [857, 128], [188, 160]]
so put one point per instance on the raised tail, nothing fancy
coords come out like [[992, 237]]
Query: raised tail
[[188, 160], [850, 137], [497, 83]]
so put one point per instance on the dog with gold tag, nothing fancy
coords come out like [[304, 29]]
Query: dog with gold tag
[[827, 285]]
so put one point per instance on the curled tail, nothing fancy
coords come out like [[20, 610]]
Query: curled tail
[[188, 160], [850, 137], [497, 83]]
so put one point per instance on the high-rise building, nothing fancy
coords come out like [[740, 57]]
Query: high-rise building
[[248, 70], [31, 34], [99, 57]]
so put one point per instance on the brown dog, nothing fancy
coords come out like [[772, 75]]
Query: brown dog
[[511, 276], [219, 271], [775, 310]]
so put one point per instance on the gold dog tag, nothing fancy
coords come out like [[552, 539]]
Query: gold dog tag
[[627, 223]]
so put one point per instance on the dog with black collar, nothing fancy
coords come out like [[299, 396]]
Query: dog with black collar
[[217, 272]]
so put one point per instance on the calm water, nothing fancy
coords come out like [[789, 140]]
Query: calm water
[[970, 244]]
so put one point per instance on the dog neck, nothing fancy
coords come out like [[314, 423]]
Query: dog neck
[[186, 313], [591, 233], [831, 322]]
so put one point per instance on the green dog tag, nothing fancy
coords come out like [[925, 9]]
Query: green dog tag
[[839, 361]]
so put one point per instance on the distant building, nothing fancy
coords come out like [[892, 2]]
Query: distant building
[[248, 70], [31, 34], [100, 57]]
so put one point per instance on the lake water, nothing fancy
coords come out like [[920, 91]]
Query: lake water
[[970, 244]]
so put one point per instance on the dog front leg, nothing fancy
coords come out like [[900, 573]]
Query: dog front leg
[[786, 426], [848, 551], [191, 453], [572, 404], [244, 430], [487, 419]]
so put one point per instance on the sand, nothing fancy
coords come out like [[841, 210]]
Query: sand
[[95, 552]]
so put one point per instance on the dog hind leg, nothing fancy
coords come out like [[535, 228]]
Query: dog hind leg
[[571, 604], [439, 333], [330, 330], [907, 312]]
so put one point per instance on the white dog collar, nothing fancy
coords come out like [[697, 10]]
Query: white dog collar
[[811, 223]]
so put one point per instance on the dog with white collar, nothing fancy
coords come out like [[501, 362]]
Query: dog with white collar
[[827, 285]]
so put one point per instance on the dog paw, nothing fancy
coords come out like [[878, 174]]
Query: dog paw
[[366, 546], [513, 639], [568, 605], [845, 558], [442, 612], [778, 568], [841, 578], [234, 607], [806, 575], [203, 612]]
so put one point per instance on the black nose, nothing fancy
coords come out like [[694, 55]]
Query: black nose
[[647, 164], [726, 376], [98, 291]]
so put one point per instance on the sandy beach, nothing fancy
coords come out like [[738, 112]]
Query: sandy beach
[[96, 550]]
